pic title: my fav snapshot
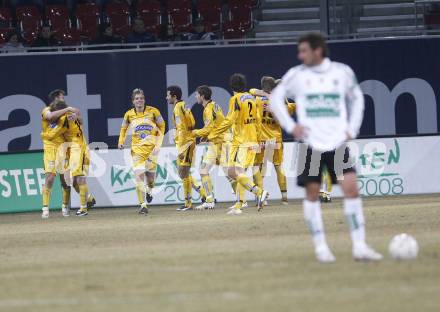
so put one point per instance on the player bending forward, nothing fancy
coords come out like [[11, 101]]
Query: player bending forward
[[148, 128], [245, 120], [323, 90]]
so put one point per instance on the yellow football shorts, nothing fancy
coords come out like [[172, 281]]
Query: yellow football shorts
[[212, 154], [55, 159], [242, 156], [273, 153], [185, 155], [79, 160], [141, 156]]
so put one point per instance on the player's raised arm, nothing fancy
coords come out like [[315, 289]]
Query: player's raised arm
[[279, 108], [355, 104], [53, 116], [123, 132]]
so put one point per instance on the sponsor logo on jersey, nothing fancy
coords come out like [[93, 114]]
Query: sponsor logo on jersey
[[245, 97], [53, 125], [143, 128]]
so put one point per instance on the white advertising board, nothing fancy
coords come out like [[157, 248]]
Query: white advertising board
[[391, 166]]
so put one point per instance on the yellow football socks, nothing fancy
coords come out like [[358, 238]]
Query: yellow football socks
[[140, 191], [244, 181], [66, 195], [46, 196], [83, 190]]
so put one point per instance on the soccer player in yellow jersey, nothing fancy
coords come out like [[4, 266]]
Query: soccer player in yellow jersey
[[212, 118], [271, 138], [54, 157], [185, 144], [79, 159], [148, 128], [245, 119]]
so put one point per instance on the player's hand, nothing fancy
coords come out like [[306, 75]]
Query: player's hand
[[72, 117], [299, 132], [121, 146], [349, 137]]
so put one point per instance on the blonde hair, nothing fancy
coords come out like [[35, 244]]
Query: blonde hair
[[135, 92]]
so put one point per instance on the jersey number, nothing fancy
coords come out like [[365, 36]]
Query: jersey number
[[250, 109]]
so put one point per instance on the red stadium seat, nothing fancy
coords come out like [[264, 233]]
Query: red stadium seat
[[233, 30], [58, 17], [240, 4], [119, 16], [242, 16], [212, 16], [150, 13], [5, 17], [209, 4], [30, 36], [69, 37], [28, 18], [88, 19], [180, 15]]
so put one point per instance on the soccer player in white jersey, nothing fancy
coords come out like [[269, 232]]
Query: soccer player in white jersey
[[330, 108]]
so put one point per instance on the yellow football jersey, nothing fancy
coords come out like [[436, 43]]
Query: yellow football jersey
[[71, 129], [148, 128], [47, 127], [184, 123], [244, 118], [212, 118], [270, 128]]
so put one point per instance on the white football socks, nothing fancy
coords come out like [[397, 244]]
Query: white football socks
[[313, 217], [355, 217]]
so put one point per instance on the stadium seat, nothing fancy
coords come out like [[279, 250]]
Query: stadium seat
[[69, 37], [30, 36], [180, 15], [242, 16], [211, 13], [58, 17], [150, 13], [4, 34], [5, 17], [118, 15], [240, 4], [88, 17], [233, 30], [28, 18]]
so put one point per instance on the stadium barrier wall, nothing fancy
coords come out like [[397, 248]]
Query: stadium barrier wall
[[399, 77], [385, 167], [21, 183]]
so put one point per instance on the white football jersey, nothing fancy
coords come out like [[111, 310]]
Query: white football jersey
[[329, 103]]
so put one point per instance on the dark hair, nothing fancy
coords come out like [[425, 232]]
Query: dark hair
[[315, 40], [205, 91], [175, 91], [57, 105], [55, 93], [268, 84], [237, 82]]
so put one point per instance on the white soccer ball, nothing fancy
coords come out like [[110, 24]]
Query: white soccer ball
[[403, 247]]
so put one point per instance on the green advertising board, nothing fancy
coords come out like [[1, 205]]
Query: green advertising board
[[21, 183]]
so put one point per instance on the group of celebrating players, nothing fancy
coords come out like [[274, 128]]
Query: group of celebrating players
[[329, 108], [247, 137]]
